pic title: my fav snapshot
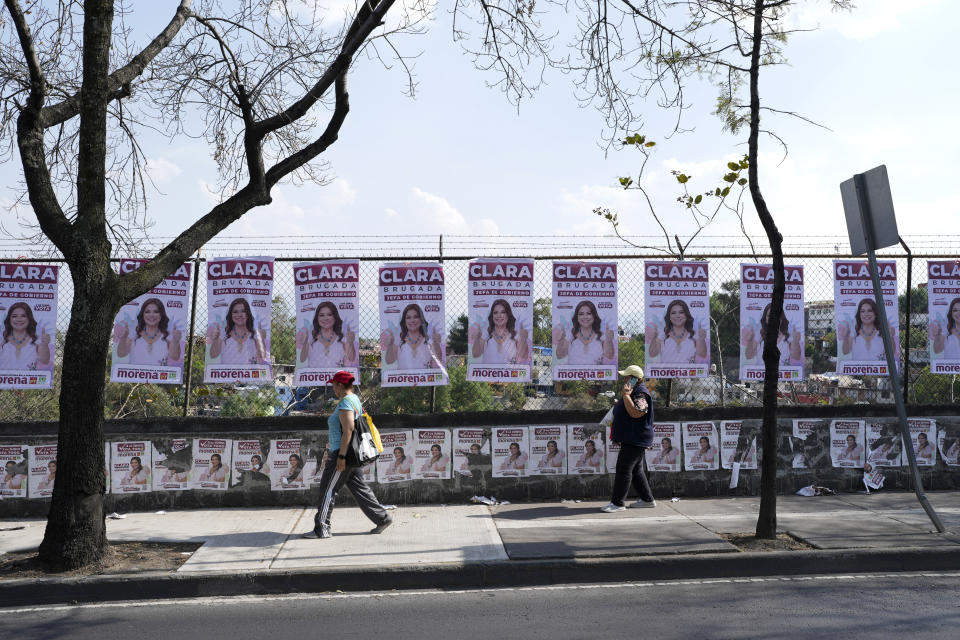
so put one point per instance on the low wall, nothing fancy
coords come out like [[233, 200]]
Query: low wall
[[312, 431]]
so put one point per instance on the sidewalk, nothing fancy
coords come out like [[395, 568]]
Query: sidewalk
[[260, 550]]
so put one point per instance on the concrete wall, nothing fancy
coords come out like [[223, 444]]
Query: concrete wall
[[460, 488]]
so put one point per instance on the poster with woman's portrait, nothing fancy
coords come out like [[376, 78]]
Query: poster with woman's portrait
[[847, 443], [471, 449], [923, 433], [664, 453], [172, 459], [150, 331], [249, 463], [500, 303], [884, 444], [677, 319], [28, 308], [511, 452], [948, 442], [586, 450], [803, 436], [548, 450], [756, 291], [327, 320], [395, 464], [943, 305], [700, 447], [130, 465], [413, 351], [431, 454], [317, 460], [584, 314], [239, 312], [287, 465], [859, 343], [43, 470], [15, 462], [737, 446], [211, 464]]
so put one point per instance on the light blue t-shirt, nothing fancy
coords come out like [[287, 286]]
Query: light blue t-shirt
[[348, 402]]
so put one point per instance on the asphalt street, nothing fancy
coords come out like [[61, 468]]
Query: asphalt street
[[854, 606]]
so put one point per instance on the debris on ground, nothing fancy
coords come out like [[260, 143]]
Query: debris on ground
[[117, 516], [814, 490]]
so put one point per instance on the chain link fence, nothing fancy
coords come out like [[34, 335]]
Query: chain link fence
[[722, 388]]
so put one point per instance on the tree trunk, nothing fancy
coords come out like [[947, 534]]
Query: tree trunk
[[767, 519], [75, 534]]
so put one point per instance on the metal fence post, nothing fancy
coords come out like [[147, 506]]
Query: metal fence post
[[908, 312], [433, 389], [188, 364]]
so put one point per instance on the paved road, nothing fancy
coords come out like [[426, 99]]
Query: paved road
[[877, 606]]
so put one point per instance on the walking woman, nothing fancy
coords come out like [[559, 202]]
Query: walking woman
[[633, 429], [341, 424]]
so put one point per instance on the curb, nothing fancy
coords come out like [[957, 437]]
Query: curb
[[507, 573]]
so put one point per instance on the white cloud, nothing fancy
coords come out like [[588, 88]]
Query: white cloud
[[162, 170], [435, 215], [866, 20]]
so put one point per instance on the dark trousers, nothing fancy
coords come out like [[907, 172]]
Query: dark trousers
[[630, 468], [331, 482]]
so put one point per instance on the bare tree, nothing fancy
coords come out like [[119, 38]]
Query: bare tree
[[264, 82], [628, 52]]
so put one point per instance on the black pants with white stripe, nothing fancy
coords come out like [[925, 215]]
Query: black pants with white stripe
[[331, 482]]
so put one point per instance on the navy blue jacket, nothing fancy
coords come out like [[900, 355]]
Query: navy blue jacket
[[635, 431]]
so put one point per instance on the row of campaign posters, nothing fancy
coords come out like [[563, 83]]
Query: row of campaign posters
[[179, 464], [150, 332]]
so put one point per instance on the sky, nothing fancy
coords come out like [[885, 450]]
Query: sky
[[458, 159]]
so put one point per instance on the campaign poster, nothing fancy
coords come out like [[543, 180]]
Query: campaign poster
[[471, 448], [247, 458], [28, 306], [736, 447], [613, 452], [664, 453], [239, 308], [500, 302], [923, 433], [130, 465], [846, 443], [756, 291], [317, 460], [884, 444], [859, 343], [700, 447], [584, 313], [16, 465], [328, 320], [43, 470], [431, 454], [172, 458], [677, 319], [801, 441], [287, 466], [211, 464], [548, 450], [949, 445], [150, 331], [943, 300], [511, 451], [413, 351], [395, 464], [586, 450]]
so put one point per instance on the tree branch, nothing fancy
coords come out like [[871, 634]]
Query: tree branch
[[69, 108]]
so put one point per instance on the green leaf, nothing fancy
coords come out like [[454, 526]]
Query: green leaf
[[650, 144], [733, 166], [626, 182], [730, 177], [725, 192], [698, 199], [742, 181], [682, 178], [717, 192]]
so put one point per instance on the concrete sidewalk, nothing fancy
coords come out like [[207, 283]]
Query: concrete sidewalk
[[456, 539]]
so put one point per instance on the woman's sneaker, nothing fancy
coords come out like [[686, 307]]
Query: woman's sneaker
[[642, 504], [610, 508]]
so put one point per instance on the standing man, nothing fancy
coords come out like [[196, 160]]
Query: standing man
[[633, 429]]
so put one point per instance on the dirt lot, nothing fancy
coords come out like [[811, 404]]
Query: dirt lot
[[123, 557], [748, 542]]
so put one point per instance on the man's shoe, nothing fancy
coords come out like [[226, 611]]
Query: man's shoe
[[611, 508], [313, 535], [642, 504], [380, 528]]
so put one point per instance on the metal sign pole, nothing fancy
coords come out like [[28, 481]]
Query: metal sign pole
[[867, 221]]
